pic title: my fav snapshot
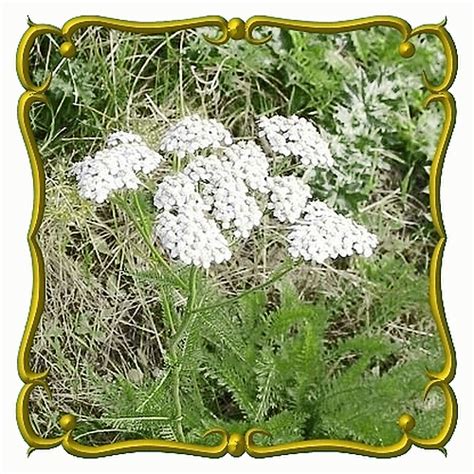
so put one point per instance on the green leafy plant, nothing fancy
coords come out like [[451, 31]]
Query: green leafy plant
[[274, 369]]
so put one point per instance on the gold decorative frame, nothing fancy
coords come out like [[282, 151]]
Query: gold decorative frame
[[234, 443]]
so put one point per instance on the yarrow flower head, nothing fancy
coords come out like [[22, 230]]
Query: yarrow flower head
[[177, 192], [298, 137], [115, 167], [323, 234], [227, 194], [249, 162], [193, 134], [216, 188], [225, 188], [192, 237], [288, 197]]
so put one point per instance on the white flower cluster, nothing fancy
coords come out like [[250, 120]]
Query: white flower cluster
[[184, 226], [212, 193], [227, 194], [177, 192], [115, 167], [216, 195], [298, 137], [322, 234], [248, 162], [288, 197], [193, 134], [192, 237]]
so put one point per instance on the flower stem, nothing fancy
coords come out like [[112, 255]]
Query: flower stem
[[177, 402], [189, 311], [187, 319], [175, 367]]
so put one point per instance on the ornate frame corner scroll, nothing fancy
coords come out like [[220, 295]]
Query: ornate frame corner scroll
[[235, 29]]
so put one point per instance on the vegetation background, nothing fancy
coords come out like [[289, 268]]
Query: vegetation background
[[334, 351]]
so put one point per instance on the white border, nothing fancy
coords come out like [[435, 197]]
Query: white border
[[456, 198]]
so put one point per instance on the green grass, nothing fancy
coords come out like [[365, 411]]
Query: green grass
[[333, 351]]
